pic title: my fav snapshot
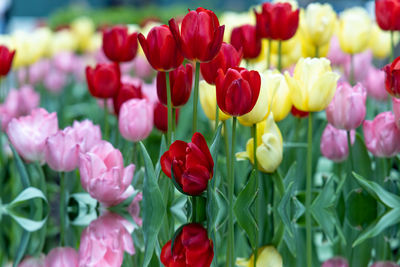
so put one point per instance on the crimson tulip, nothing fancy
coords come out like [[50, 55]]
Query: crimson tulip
[[277, 21], [191, 163], [392, 79], [226, 58], [119, 45], [237, 90], [180, 81], [161, 49], [200, 37], [161, 117], [245, 37], [6, 58], [104, 80], [387, 14], [126, 91], [192, 247]]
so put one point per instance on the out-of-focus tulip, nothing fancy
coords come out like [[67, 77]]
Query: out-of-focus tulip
[[267, 256], [208, 101], [200, 36], [245, 37], [232, 20], [396, 110], [279, 93], [298, 113], [347, 109], [379, 42], [354, 30], [161, 117], [142, 68], [28, 49], [335, 262], [384, 264], [55, 81], [313, 84], [104, 80], [334, 143], [387, 14], [83, 29], [382, 137], [375, 84], [191, 163], [104, 241], [336, 54], [63, 41], [33, 262], [28, 134], [192, 247], [65, 61], [6, 58], [180, 82], [119, 45], [361, 63], [103, 174], [126, 91], [87, 135], [134, 209], [392, 78], [237, 90], [308, 49], [135, 119], [226, 58], [161, 49], [62, 257], [38, 71], [277, 21]]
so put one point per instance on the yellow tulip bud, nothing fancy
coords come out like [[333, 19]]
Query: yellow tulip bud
[[313, 84], [268, 256], [379, 42], [42, 38], [232, 20], [27, 50], [281, 100], [83, 28], [63, 41], [208, 101]]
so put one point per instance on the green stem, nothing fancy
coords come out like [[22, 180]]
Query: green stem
[[391, 46], [309, 194], [228, 171], [258, 191], [269, 54], [280, 55], [106, 127], [169, 106], [134, 153], [216, 116], [194, 209], [196, 96], [352, 78], [350, 153], [317, 51], [173, 123], [63, 208]]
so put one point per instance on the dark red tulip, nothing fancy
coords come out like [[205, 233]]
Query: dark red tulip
[[387, 14], [237, 90], [104, 80], [200, 37], [392, 79], [191, 162], [192, 247], [119, 45], [245, 37], [161, 117], [126, 91], [161, 49], [298, 113], [277, 21], [227, 57], [180, 81], [6, 58]]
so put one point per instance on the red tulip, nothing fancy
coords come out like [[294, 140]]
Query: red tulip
[[237, 90], [200, 37], [6, 58], [392, 79], [118, 45], [104, 80], [298, 113], [180, 81], [126, 91], [277, 21], [192, 247], [387, 14], [161, 117], [191, 163], [245, 37], [228, 57], [161, 49]]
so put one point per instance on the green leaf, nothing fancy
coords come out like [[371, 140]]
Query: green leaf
[[361, 160], [21, 168], [27, 194], [22, 247], [215, 143], [28, 224], [163, 148]]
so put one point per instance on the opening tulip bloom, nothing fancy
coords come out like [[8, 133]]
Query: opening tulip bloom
[[334, 143], [63, 257], [245, 37], [6, 58], [126, 91], [191, 164], [161, 117], [237, 90], [387, 14], [104, 80], [375, 84], [200, 36], [267, 256], [119, 45], [86, 134], [392, 80], [161, 49]]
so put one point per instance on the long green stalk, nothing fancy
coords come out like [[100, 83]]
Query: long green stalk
[[269, 54], [196, 95], [280, 55], [309, 194], [258, 197], [106, 126], [169, 106], [63, 208]]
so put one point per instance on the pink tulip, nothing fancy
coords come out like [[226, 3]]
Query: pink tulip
[[62, 151], [336, 55], [131, 80], [136, 119], [22, 76], [79, 67], [32, 262], [142, 68], [126, 67], [347, 108], [361, 63], [134, 209], [334, 143], [396, 110], [55, 81], [38, 71], [104, 241], [65, 61], [62, 257], [109, 103], [87, 134], [375, 84], [149, 90], [28, 134], [385, 264], [103, 174], [382, 137], [335, 262]]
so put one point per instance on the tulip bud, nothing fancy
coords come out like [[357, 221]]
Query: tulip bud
[[6, 58], [375, 84], [161, 117], [245, 37], [32, 262], [208, 101], [280, 95], [104, 80], [38, 71], [392, 80], [387, 13], [126, 91], [336, 262], [55, 81], [361, 62], [396, 111], [62, 257], [379, 42], [385, 264], [334, 143], [119, 45], [336, 54], [267, 256]]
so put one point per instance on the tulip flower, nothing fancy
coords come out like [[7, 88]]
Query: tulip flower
[[200, 36], [161, 117], [375, 84], [356, 70], [119, 45], [334, 144], [313, 84], [28, 134], [347, 109], [87, 135], [126, 92], [55, 81], [192, 247], [336, 54], [32, 262], [104, 80], [208, 101], [281, 102], [387, 14], [190, 163], [384, 264], [392, 80], [134, 209], [267, 256], [103, 174], [62, 257], [135, 119], [298, 113], [180, 82], [335, 262], [245, 37], [6, 58], [83, 29], [382, 137], [380, 42], [161, 49], [396, 111], [237, 90], [65, 61], [38, 71], [226, 58]]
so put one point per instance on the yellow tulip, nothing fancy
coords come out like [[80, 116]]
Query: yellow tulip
[[83, 28], [208, 101], [269, 146], [354, 30], [268, 256], [27, 50], [308, 49], [281, 100], [379, 42], [63, 41], [313, 84], [42, 38], [232, 20]]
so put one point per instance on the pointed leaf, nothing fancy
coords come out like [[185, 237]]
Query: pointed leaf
[[21, 168]]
